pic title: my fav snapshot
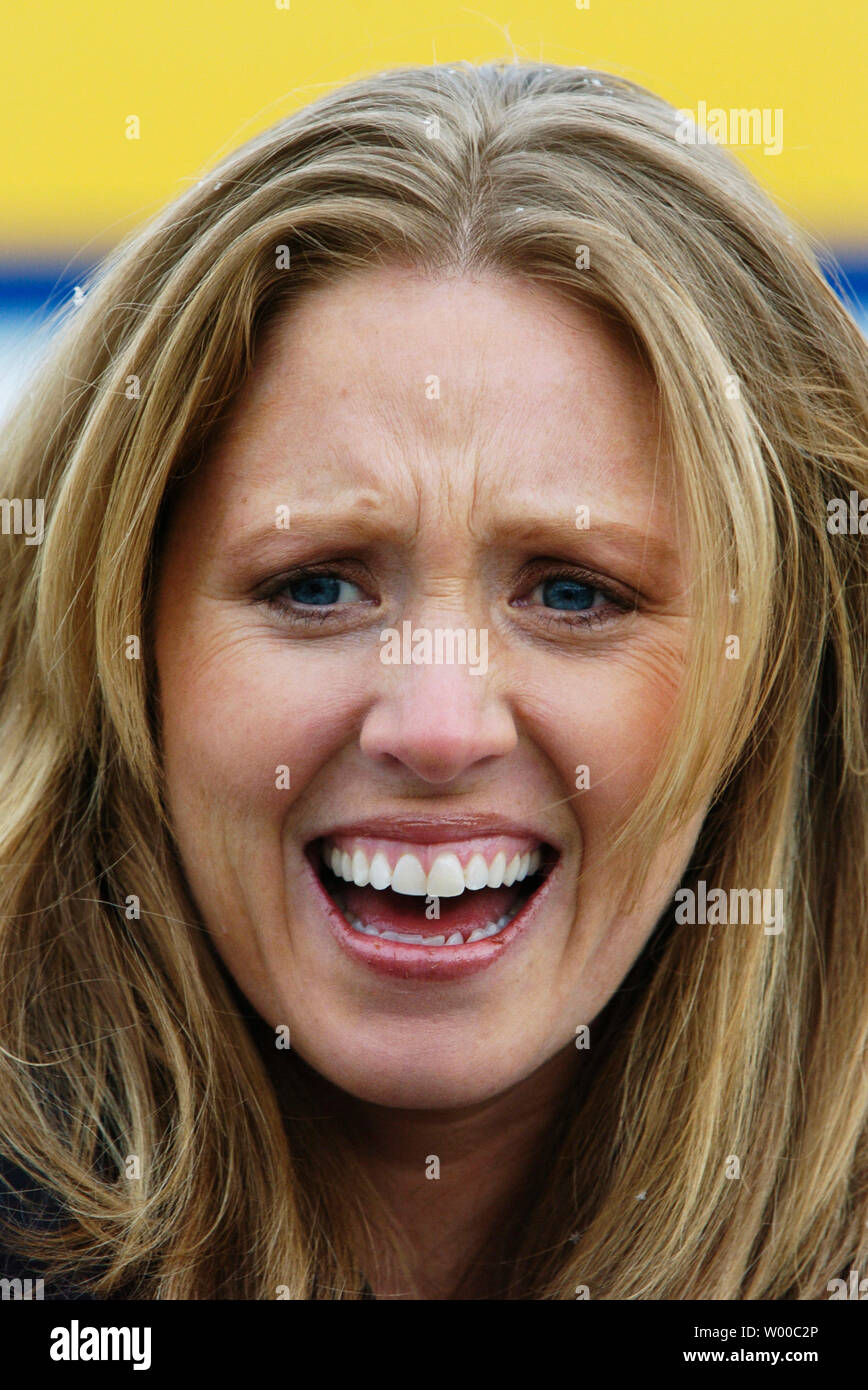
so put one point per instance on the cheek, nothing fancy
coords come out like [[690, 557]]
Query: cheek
[[245, 728], [604, 722], [614, 716], [245, 723]]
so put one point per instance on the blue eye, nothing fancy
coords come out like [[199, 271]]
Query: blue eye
[[565, 600], [312, 596], [318, 589], [566, 593], [324, 597]]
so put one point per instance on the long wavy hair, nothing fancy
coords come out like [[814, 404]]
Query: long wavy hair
[[123, 1046]]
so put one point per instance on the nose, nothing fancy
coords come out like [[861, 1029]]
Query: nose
[[438, 721]]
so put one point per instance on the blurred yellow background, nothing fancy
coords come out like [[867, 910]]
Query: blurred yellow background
[[203, 77]]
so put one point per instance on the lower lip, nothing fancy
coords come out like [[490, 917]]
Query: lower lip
[[428, 962]]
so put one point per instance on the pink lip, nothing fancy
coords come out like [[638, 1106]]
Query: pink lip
[[432, 963], [437, 830]]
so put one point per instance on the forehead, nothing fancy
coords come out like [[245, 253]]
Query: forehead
[[391, 383]]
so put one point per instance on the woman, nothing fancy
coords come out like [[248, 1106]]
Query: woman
[[436, 548]]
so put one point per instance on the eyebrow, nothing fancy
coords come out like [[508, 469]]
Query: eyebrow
[[349, 526], [352, 527], [653, 549]]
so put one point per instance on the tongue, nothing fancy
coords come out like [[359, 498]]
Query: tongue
[[388, 911]]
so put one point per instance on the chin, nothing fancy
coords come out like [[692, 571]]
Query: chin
[[436, 1080]]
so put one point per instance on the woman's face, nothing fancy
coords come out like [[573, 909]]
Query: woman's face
[[418, 452]]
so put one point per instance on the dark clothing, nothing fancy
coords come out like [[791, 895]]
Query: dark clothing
[[35, 1208]]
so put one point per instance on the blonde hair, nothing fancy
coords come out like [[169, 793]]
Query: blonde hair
[[123, 1037]]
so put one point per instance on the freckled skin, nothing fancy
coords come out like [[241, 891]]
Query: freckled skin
[[542, 407]]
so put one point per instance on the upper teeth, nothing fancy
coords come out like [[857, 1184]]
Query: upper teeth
[[446, 878]]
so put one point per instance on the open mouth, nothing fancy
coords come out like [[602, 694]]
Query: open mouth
[[437, 897]]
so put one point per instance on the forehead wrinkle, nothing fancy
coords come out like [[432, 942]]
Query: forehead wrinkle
[[388, 425], [424, 446]]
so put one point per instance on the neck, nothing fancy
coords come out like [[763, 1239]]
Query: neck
[[452, 1181]]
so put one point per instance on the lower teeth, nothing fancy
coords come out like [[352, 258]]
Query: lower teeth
[[455, 939]]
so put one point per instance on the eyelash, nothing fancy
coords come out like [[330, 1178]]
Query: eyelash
[[311, 615], [615, 606]]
